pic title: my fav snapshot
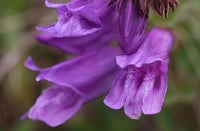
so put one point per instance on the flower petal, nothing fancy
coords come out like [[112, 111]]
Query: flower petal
[[116, 97], [82, 26], [153, 102], [56, 105], [80, 71], [134, 92], [156, 47], [77, 18], [72, 24], [79, 45]]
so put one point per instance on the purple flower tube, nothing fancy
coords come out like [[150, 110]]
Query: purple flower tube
[[74, 82]]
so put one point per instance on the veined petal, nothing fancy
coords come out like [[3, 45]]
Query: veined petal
[[134, 92], [56, 105], [143, 89], [152, 103], [133, 104]]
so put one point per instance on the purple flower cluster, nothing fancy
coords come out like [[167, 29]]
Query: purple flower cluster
[[133, 75]]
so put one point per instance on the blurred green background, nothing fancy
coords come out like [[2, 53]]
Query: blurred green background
[[18, 89]]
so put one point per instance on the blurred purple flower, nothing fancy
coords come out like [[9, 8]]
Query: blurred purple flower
[[141, 85], [74, 82], [82, 25]]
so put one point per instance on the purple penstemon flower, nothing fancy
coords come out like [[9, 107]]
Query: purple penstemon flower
[[74, 82], [141, 85], [82, 25]]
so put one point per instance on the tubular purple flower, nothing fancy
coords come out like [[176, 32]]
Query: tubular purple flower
[[74, 82], [141, 85], [131, 26], [80, 20], [79, 45]]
